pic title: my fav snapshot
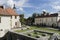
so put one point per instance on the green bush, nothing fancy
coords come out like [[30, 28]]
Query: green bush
[[43, 35], [37, 36], [35, 32], [29, 34]]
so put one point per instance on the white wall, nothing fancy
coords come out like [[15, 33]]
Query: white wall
[[13, 20], [4, 25], [58, 21], [5, 22], [47, 20]]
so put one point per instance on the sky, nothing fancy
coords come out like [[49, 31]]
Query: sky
[[28, 7]]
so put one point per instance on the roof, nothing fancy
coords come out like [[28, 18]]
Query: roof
[[8, 11], [47, 15]]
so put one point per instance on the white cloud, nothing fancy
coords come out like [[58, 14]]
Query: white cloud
[[55, 5], [20, 4], [28, 15], [44, 10], [2, 2], [21, 9], [7, 2], [10, 3]]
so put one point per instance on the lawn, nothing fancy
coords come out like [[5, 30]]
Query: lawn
[[31, 28], [39, 28], [37, 34]]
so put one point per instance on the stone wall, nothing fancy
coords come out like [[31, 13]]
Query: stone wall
[[14, 36]]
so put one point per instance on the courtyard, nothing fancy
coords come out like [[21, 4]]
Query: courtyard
[[38, 33], [46, 29]]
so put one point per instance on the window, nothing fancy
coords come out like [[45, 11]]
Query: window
[[51, 19], [15, 17], [0, 19], [11, 17], [40, 19], [15, 23], [46, 19]]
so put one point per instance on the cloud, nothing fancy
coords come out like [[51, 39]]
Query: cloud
[[55, 5], [28, 15], [44, 10], [2, 2], [7, 2], [21, 9], [19, 4], [10, 3]]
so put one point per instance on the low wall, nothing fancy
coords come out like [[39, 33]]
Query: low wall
[[14, 36], [5, 37], [44, 32]]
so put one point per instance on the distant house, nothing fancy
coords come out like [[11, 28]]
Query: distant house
[[9, 19], [48, 19]]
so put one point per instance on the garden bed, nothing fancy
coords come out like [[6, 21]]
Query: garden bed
[[38, 34]]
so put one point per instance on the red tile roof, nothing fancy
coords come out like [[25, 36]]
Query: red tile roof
[[8, 11]]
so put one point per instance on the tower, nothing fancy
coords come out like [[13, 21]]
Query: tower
[[14, 7]]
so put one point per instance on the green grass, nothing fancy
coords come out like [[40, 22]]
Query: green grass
[[33, 34], [45, 29], [20, 30], [31, 28], [39, 28], [49, 30]]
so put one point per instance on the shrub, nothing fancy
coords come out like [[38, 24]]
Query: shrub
[[35, 32], [29, 34], [43, 35], [37, 36], [21, 29], [27, 28]]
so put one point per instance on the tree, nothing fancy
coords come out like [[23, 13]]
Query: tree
[[33, 17], [22, 19], [30, 20]]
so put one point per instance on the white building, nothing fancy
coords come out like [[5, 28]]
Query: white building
[[8, 20], [48, 19]]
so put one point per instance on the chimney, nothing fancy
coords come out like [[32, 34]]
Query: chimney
[[1, 7]]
